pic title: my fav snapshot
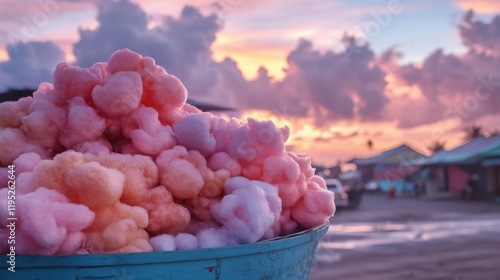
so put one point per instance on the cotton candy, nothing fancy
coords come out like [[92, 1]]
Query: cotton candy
[[43, 226], [124, 60], [165, 216], [148, 135], [193, 132], [94, 147], [96, 186], [14, 143], [84, 124], [120, 94], [12, 112], [179, 175], [222, 160], [164, 242], [26, 162], [111, 159], [45, 121], [284, 172], [118, 228], [248, 210], [315, 207], [72, 81]]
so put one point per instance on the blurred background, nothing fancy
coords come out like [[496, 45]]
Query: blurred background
[[397, 101]]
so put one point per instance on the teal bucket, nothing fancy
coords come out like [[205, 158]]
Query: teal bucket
[[289, 257]]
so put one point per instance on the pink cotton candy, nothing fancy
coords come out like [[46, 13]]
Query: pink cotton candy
[[287, 224], [148, 135], [45, 122], [71, 81], [25, 183], [216, 237], [315, 207], [84, 124], [94, 147], [193, 132], [284, 172], [186, 241], [124, 60], [164, 242], [162, 91], [304, 162], [26, 162], [248, 210], [120, 94], [43, 224], [222, 160]]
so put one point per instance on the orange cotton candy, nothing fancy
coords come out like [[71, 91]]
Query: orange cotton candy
[[165, 216], [141, 173], [95, 185], [178, 174], [118, 228], [12, 112], [52, 173], [14, 143]]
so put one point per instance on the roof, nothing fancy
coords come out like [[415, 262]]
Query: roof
[[491, 162], [401, 155], [474, 151], [16, 94]]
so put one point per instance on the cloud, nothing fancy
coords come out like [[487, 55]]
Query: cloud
[[454, 86], [29, 64], [480, 36]]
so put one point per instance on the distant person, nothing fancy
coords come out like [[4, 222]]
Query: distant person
[[470, 187]]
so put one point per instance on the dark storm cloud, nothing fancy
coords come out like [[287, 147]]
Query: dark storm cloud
[[29, 64]]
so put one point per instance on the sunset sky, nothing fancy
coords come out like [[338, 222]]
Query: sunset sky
[[337, 72]]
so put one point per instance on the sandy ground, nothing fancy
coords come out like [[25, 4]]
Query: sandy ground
[[410, 238]]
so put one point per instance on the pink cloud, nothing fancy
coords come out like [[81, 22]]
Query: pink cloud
[[479, 6]]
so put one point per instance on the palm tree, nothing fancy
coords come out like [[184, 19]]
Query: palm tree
[[473, 132], [369, 144], [436, 146]]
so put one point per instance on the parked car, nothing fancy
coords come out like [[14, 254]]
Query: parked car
[[372, 186], [353, 186], [341, 197]]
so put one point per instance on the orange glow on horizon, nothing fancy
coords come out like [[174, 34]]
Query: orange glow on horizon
[[4, 56], [249, 59], [479, 6], [398, 88], [325, 145]]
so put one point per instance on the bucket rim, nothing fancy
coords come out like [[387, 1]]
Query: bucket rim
[[97, 260]]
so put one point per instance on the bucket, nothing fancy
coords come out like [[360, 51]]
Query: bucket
[[289, 257]]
